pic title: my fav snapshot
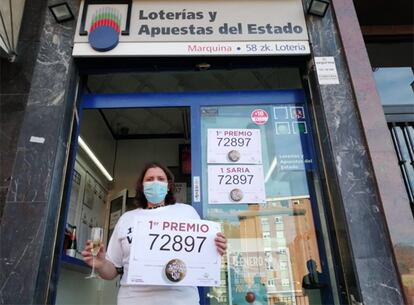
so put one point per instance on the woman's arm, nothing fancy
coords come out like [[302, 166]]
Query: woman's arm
[[103, 267]]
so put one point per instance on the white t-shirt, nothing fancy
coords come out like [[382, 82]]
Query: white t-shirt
[[118, 253]]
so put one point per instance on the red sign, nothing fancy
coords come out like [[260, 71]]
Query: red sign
[[259, 116]]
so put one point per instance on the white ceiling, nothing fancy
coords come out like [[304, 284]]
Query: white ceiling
[[165, 122]]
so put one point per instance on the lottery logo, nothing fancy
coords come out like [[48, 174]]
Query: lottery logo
[[236, 194], [105, 29], [175, 270], [233, 155]]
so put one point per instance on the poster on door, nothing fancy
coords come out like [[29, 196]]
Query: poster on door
[[174, 252], [180, 192], [231, 145], [236, 184], [293, 139]]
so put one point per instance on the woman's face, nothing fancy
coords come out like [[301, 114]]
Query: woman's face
[[155, 174]]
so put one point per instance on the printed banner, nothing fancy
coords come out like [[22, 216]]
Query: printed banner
[[234, 146], [236, 184], [174, 252]]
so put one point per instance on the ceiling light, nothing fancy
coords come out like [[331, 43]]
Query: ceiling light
[[95, 160], [61, 12], [203, 66], [318, 7]]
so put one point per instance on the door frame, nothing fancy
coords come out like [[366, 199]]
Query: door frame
[[195, 101]]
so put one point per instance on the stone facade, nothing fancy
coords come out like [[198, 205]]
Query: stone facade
[[37, 99]]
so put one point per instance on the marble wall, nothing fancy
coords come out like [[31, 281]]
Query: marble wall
[[15, 78], [392, 196], [361, 171], [43, 105], [360, 179]]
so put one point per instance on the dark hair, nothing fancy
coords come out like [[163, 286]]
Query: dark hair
[[140, 198]]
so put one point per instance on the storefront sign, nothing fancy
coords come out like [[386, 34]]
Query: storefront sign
[[174, 252], [236, 184], [232, 145], [144, 27]]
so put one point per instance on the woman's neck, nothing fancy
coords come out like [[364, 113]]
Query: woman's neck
[[154, 205]]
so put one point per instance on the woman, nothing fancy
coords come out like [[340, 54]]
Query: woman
[[155, 197]]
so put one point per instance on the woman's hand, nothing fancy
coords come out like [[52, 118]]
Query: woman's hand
[[103, 267], [87, 255], [221, 243]]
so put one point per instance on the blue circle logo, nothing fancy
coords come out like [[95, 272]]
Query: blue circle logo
[[105, 29]]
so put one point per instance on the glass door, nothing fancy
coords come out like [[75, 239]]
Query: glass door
[[257, 180]]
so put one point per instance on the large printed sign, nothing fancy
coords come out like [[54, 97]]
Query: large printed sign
[[145, 27], [174, 252], [236, 184], [232, 145]]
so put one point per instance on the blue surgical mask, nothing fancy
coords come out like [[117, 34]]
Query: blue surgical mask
[[155, 191]]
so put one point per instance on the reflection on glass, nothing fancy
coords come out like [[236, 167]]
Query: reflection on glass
[[278, 261], [270, 244], [404, 138], [395, 85]]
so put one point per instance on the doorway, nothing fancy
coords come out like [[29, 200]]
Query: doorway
[[259, 141], [102, 188]]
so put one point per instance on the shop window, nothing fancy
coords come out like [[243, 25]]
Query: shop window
[[265, 219], [393, 71], [403, 138], [395, 85], [396, 89]]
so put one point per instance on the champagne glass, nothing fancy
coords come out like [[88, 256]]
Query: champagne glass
[[96, 237]]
